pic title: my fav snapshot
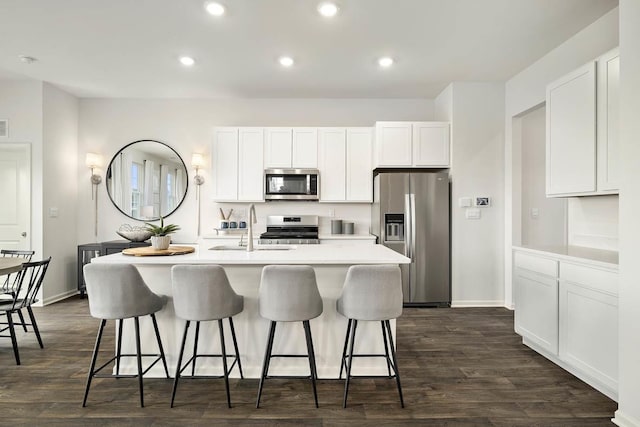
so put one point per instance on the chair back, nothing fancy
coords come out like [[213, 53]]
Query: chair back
[[117, 291], [371, 292], [28, 283], [203, 292], [10, 280], [289, 293]]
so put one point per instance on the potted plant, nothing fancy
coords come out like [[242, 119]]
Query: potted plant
[[160, 238]]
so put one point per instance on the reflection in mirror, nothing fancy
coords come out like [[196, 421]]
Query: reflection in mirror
[[146, 179]]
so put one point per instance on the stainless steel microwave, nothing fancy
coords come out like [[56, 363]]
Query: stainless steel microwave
[[292, 184]]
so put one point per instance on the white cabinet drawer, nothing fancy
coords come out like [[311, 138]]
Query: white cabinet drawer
[[536, 264], [595, 278]]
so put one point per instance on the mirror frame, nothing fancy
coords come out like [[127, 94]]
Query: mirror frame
[[186, 189]]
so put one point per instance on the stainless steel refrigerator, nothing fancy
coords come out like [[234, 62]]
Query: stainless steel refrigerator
[[410, 214]]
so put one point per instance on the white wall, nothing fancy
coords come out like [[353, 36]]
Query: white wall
[[628, 413], [593, 222], [476, 170], [21, 104], [60, 143], [549, 226], [187, 126], [527, 90]]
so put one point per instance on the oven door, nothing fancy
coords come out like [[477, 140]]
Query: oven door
[[291, 184]]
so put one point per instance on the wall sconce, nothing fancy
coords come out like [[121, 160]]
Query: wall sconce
[[197, 161], [94, 161]]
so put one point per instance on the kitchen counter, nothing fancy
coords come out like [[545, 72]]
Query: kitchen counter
[[608, 259], [330, 263]]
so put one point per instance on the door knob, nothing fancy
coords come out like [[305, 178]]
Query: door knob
[[24, 234]]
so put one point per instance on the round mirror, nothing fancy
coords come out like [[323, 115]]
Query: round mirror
[[147, 179]]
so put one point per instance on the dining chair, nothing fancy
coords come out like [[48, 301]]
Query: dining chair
[[10, 280], [28, 284]]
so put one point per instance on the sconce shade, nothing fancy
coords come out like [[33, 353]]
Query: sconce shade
[[93, 160], [197, 160]]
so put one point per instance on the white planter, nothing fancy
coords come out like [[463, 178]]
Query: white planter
[[160, 242]]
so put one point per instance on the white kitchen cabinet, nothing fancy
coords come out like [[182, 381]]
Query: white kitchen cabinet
[[536, 300], [582, 130], [345, 164], [291, 148], [412, 144], [359, 170], [608, 114], [237, 159], [277, 148], [332, 164], [588, 323], [250, 164], [224, 164]]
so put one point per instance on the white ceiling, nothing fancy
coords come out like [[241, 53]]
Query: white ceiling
[[130, 48]]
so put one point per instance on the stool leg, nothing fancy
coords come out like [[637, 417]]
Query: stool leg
[[235, 346], [34, 324], [14, 341], [224, 362], [155, 328], [395, 362], [195, 349], [119, 347], [346, 383], [178, 366], [265, 363], [139, 357], [94, 357], [386, 348], [312, 358], [344, 349]]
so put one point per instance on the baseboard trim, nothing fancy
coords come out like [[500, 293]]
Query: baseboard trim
[[60, 297], [478, 303], [623, 420]]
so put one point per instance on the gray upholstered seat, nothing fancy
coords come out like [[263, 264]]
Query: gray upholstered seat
[[202, 293], [371, 293], [118, 292], [289, 293]]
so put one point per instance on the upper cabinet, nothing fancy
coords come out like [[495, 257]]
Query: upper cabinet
[[237, 164], [345, 163], [291, 148], [582, 115], [412, 144]]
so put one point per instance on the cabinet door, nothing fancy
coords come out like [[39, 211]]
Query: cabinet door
[[332, 162], [536, 311], [277, 148], [393, 143], [250, 164], [224, 163], [589, 332], [359, 180], [305, 148], [431, 144], [608, 117], [571, 133]]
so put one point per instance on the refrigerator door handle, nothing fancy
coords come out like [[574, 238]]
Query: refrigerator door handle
[[412, 200], [408, 227]]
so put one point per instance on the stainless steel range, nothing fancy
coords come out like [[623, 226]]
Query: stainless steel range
[[291, 229]]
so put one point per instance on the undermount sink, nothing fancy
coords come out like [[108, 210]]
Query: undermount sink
[[255, 247]]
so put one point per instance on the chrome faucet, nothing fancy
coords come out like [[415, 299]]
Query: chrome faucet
[[251, 220]]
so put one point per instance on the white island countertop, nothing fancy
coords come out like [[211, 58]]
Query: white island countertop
[[271, 254]]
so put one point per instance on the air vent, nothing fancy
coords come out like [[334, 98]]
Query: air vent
[[4, 128]]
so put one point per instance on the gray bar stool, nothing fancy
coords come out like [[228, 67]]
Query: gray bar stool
[[118, 292], [203, 293], [371, 293], [289, 293]]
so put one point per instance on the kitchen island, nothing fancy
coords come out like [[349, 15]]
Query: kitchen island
[[330, 263]]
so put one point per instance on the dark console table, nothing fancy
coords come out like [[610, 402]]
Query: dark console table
[[89, 251]]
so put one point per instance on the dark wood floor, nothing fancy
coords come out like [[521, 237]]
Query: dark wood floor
[[459, 367]]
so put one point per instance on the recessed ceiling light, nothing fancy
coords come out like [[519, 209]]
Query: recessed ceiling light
[[286, 61], [187, 61], [27, 59], [216, 9], [328, 9], [385, 62]]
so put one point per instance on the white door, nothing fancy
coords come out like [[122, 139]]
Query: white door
[[359, 165], [305, 148], [225, 164], [277, 148], [431, 144], [332, 163], [15, 194], [250, 164], [393, 143]]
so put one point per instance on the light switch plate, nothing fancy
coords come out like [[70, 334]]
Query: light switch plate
[[483, 201], [472, 213], [53, 212], [465, 202]]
